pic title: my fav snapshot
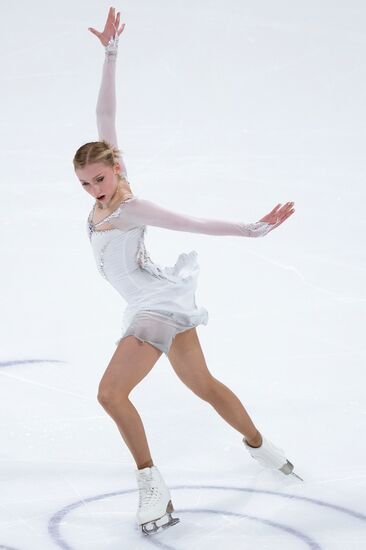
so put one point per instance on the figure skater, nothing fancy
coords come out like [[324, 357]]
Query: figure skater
[[161, 314]]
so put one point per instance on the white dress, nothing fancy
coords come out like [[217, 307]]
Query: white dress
[[160, 300]]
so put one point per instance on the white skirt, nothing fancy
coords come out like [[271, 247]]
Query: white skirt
[[166, 307]]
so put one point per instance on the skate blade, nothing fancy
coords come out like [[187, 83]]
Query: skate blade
[[151, 527], [288, 469]]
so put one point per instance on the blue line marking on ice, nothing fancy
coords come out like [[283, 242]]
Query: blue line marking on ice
[[27, 361], [57, 519]]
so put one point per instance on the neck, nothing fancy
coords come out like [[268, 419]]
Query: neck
[[122, 192]]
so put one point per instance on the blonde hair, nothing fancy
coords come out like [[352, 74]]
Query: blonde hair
[[96, 151]]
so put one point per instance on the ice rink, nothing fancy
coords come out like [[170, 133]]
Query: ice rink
[[225, 108]]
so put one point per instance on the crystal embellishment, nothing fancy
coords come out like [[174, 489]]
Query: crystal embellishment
[[111, 48], [101, 261], [90, 228], [145, 262]]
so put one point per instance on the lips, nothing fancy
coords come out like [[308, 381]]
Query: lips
[[101, 197]]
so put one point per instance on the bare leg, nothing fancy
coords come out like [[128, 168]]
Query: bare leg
[[187, 359], [227, 404], [130, 363]]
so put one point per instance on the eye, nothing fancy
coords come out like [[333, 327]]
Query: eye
[[86, 183], [101, 178]]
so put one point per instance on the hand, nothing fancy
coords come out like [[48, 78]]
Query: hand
[[279, 214], [110, 27]]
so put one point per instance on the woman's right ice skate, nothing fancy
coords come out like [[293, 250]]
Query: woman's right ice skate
[[270, 456], [155, 504]]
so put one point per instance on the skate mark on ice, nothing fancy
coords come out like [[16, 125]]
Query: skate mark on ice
[[342, 509], [56, 521], [4, 364], [335, 295], [7, 547], [290, 530], [26, 362]]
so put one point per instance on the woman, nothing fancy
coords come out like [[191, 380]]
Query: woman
[[161, 315]]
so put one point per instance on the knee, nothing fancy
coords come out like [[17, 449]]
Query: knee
[[110, 397], [105, 397]]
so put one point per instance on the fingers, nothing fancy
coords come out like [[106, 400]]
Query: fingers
[[285, 207], [279, 214], [110, 19], [114, 21], [110, 28], [275, 208], [97, 33], [284, 213], [117, 24], [94, 31]]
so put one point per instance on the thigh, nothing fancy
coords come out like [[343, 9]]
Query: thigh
[[130, 363], [188, 361]]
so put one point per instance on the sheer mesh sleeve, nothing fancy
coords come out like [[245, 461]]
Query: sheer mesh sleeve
[[145, 212], [106, 106]]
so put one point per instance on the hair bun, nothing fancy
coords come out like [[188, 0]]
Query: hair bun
[[96, 151]]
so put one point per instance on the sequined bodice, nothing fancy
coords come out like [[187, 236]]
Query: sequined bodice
[[115, 213], [123, 260], [115, 253]]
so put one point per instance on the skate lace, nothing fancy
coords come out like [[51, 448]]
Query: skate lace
[[148, 493]]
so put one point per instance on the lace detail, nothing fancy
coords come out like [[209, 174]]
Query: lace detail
[[145, 262], [111, 49], [256, 229], [114, 214]]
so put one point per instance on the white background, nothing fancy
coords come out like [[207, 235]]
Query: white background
[[224, 110]]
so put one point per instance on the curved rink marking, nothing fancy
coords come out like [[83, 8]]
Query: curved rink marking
[[26, 362], [56, 520]]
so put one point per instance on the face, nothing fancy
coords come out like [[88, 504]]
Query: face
[[99, 180]]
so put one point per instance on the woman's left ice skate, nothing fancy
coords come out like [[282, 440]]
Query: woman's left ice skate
[[155, 504], [270, 456]]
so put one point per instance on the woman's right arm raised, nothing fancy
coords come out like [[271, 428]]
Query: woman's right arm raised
[[106, 104]]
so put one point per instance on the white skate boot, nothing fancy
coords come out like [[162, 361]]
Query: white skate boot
[[155, 505], [270, 456]]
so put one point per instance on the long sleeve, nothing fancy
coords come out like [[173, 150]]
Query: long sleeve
[[144, 212], [106, 106]]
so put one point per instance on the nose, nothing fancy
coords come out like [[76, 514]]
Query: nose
[[96, 190]]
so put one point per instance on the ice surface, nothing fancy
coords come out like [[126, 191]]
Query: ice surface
[[224, 110]]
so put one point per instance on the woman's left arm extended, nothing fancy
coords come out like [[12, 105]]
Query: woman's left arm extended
[[144, 212]]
